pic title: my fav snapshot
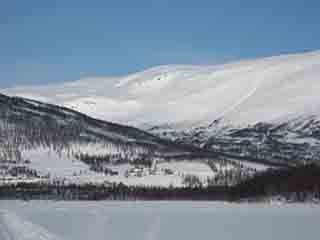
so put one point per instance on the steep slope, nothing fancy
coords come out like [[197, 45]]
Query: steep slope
[[210, 106]]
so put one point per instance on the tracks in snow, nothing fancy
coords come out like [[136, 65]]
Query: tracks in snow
[[12, 227]]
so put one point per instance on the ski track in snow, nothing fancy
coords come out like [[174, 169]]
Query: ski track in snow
[[12, 227], [239, 102]]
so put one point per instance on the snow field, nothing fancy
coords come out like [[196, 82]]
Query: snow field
[[157, 220]]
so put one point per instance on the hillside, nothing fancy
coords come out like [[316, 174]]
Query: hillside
[[41, 141]]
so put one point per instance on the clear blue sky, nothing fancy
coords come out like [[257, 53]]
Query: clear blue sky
[[48, 41]]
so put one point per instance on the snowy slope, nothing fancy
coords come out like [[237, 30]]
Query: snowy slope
[[242, 93]]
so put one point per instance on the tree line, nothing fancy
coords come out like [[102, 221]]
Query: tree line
[[292, 184]]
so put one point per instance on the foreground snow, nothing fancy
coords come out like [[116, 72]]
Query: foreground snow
[[156, 220], [12, 227]]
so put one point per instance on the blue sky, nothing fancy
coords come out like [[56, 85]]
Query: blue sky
[[51, 41]]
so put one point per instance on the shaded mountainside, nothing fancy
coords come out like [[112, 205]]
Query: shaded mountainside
[[33, 123], [290, 142]]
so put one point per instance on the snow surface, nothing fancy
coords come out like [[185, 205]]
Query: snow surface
[[46, 161], [47, 220], [64, 164], [14, 228], [240, 93]]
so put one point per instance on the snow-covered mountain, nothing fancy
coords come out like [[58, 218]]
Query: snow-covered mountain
[[241, 93], [268, 107]]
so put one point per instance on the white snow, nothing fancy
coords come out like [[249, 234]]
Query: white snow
[[46, 161], [246, 92], [104, 108], [45, 220], [182, 168]]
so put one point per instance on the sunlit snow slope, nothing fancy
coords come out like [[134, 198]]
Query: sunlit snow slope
[[244, 92]]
